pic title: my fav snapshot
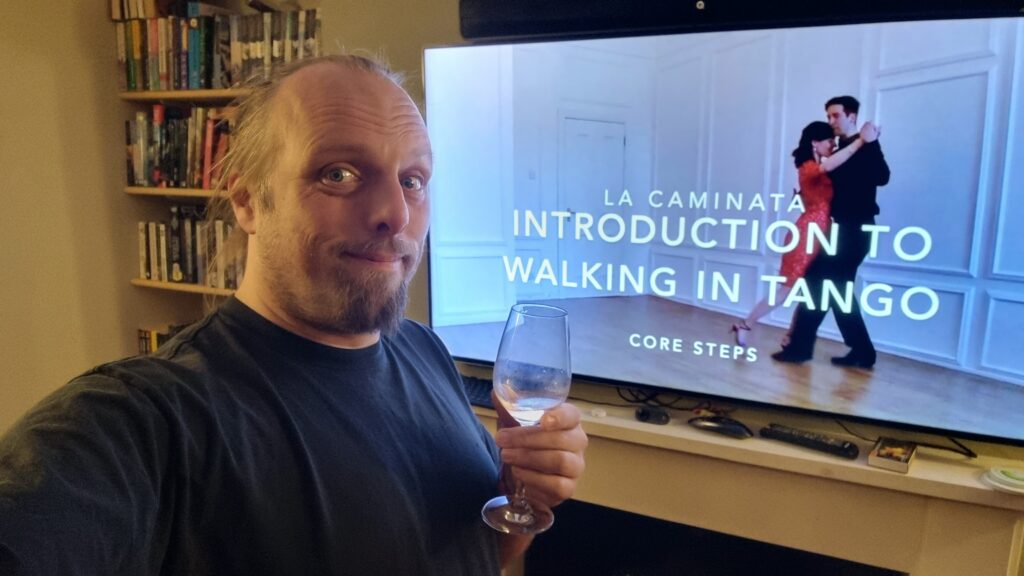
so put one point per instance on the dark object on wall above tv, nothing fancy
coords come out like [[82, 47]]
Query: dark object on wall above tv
[[481, 19]]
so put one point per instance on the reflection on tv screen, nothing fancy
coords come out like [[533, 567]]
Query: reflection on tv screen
[[818, 218]]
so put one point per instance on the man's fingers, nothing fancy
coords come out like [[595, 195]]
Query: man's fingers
[[548, 489], [535, 438], [554, 462]]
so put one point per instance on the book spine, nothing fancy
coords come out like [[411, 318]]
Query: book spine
[[183, 58], [276, 40], [317, 36], [154, 250], [300, 36], [158, 173], [174, 248], [122, 57], [153, 53], [288, 48], [135, 81], [220, 260], [235, 73], [141, 149], [161, 54], [161, 230], [194, 53], [143, 252], [188, 244], [222, 137], [201, 245], [208, 49], [267, 48], [208, 152], [143, 341], [129, 131], [196, 168]]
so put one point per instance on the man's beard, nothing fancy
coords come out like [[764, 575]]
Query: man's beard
[[339, 301]]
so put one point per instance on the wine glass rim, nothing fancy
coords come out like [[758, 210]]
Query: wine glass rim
[[539, 310]]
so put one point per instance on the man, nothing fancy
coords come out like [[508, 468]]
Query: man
[[855, 186], [303, 427]]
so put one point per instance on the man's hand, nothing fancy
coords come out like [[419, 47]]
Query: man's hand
[[547, 458], [869, 132]]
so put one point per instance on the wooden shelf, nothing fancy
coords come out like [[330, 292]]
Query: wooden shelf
[[169, 192], [185, 95], [180, 287]]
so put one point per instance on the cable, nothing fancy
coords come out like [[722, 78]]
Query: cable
[[960, 449]]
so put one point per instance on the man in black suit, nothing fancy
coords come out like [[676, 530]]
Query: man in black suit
[[855, 185]]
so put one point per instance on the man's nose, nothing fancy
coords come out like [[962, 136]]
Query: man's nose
[[389, 209]]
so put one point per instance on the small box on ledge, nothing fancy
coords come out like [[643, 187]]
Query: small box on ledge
[[892, 454]]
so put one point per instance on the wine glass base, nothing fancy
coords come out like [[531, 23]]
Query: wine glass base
[[499, 514]]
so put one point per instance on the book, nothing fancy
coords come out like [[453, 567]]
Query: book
[[183, 59], [157, 147], [267, 49], [174, 247], [892, 454], [122, 56], [133, 43], [235, 39], [221, 53], [164, 268], [188, 246], [143, 252], [208, 133], [201, 240], [152, 54], [194, 53], [129, 141], [141, 149], [153, 251], [219, 255]]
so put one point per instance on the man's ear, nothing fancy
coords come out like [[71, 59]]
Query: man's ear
[[243, 204]]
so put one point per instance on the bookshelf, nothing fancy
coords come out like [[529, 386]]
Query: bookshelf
[[182, 287], [180, 67], [173, 193], [186, 96]]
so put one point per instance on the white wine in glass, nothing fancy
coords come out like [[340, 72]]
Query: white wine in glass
[[532, 373]]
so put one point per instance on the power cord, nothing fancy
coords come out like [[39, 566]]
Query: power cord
[[960, 448]]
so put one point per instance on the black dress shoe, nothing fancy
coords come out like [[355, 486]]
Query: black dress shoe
[[789, 357], [854, 360]]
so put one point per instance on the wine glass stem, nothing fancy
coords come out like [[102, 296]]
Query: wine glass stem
[[520, 511]]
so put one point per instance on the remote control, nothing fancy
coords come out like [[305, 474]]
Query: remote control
[[814, 441]]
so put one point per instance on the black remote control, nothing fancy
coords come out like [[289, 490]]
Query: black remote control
[[814, 441]]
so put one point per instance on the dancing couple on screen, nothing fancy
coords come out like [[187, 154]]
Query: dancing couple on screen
[[838, 188]]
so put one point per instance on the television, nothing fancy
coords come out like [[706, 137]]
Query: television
[[646, 184]]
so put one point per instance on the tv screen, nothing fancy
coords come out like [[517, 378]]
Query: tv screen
[[660, 188]]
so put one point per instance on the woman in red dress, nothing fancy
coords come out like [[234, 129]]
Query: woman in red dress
[[814, 160]]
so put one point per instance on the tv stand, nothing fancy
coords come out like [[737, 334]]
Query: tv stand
[[939, 519]]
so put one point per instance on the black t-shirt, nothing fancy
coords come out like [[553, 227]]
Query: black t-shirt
[[241, 448]]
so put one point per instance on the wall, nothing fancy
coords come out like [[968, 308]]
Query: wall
[[61, 295]]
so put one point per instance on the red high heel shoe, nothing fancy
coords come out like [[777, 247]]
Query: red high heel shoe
[[739, 332]]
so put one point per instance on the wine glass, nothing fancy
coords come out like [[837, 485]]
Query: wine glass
[[531, 374]]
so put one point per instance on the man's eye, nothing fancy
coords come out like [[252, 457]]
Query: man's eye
[[337, 175], [414, 183]]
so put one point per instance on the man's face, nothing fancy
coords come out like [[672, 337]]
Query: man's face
[[350, 209], [842, 124]]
